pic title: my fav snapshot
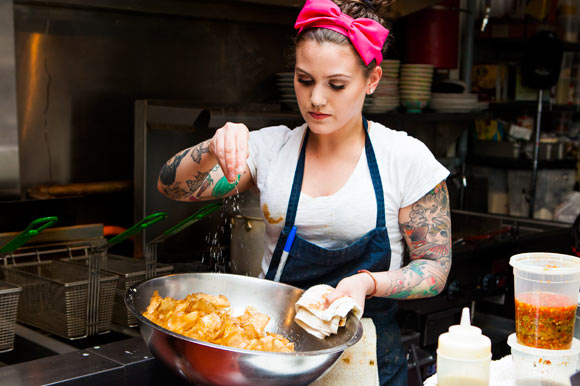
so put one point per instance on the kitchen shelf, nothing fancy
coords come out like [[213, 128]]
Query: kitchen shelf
[[429, 116], [532, 105], [520, 164], [517, 44]]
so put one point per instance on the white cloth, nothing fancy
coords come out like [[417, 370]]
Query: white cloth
[[317, 319], [408, 171]]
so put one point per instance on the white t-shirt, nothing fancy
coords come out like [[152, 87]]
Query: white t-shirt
[[408, 171]]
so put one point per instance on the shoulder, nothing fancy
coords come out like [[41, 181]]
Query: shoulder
[[394, 141]]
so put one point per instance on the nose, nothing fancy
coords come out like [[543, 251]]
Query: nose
[[318, 98]]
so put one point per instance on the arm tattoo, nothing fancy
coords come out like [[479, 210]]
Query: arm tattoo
[[168, 171], [428, 235], [197, 181], [198, 150]]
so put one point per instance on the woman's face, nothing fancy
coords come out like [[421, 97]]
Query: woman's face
[[330, 85]]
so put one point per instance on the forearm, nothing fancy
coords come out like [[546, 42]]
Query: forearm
[[190, 174], [419, 279]]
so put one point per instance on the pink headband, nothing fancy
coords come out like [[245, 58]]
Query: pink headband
[[366, 35]]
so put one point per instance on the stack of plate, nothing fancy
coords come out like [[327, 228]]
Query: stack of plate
[[386, 96], [285, 83], [456, 103], [415, 86]]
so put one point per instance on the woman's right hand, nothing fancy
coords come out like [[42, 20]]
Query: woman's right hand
[[230, 146]]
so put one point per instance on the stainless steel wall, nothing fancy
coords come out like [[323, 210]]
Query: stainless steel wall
[[80, 68], [9, 167]]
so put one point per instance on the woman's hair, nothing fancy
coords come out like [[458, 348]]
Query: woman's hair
[[371, 9]]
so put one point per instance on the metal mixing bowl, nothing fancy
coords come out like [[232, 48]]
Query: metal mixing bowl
[[209, 364]]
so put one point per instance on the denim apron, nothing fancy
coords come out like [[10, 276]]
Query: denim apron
[[309, 265]]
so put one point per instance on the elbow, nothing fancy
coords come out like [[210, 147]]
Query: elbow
[[161, 188]]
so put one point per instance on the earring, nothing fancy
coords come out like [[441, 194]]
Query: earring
[[371, 91]]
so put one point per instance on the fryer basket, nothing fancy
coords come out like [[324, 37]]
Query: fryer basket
[[55, 294], [131, 272], [9, 295]]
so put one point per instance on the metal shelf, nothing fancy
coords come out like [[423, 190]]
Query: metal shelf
[[520, 164]]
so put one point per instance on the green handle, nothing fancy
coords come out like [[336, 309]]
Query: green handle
[[206, 210], [141, 225], [31, 230]]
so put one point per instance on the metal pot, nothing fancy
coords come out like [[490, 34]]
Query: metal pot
[[247, 241], [205, 363]]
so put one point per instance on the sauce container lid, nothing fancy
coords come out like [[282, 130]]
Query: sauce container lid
[[545, 263]]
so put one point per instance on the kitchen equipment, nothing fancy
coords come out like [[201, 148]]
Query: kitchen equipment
[[209, 364], [540, 70], [55, 297], [532, 366], [546, 295], [9, 295], [66, 299], [130, 272], [33, 229], [151, 247], [95, 259], [463, 355]]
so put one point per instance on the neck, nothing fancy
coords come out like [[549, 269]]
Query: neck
[[352, 134]]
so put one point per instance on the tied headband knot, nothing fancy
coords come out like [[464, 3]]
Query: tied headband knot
[[366, 35]]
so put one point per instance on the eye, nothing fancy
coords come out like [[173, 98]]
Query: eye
[[306, 82], [337, 86]]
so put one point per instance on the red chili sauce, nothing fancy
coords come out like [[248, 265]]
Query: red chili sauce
[[545, 320]]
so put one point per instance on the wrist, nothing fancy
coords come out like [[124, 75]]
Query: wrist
[[371, 283]]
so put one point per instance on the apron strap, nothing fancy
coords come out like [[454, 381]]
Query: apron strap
[[375, 177]]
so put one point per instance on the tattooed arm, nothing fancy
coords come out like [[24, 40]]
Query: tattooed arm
[[426, 228], [197, 173]]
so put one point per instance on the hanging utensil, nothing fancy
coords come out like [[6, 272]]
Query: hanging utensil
[[33, 229]]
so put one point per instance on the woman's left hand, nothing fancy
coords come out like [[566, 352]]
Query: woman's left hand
[[356, 286]]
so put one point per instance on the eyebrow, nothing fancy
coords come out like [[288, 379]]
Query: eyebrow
[[328, 77]]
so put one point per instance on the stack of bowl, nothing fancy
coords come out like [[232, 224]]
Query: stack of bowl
[[285, 83], [386, 96], [415, 86]]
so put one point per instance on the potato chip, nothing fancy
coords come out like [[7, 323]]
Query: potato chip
[[206, 317]]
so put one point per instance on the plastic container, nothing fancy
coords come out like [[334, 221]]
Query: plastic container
[[532, 366], [546, 296], [463, 355]]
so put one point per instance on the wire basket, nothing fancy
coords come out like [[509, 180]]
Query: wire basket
[[131, 271], [9, 295], [55, 297]]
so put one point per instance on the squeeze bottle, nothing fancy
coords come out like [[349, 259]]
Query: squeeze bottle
[[463, 355]]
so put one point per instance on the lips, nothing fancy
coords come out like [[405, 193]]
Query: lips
[[318, 115]]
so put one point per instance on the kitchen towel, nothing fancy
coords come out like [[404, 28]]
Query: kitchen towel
[[317, 319]]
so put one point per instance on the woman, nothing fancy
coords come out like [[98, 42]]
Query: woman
[[354, 189]]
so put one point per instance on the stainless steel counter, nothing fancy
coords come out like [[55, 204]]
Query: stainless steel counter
[[126, 362]]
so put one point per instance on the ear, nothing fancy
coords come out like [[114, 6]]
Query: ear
[[374, 78]]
